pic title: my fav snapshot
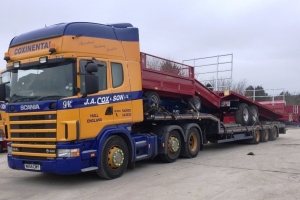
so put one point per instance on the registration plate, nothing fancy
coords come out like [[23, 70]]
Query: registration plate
[[32, 166]]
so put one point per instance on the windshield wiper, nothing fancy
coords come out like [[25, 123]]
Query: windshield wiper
[[22, 98], [50, 96]]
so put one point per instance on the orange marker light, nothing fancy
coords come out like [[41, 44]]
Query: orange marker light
[[6, 56], [52, 48]]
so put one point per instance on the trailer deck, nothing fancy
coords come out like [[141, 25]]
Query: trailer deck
[[264, 110], [222, 132]]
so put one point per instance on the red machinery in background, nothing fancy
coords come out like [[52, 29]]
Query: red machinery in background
[[290, 113]]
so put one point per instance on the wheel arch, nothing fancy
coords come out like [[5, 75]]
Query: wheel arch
[[111, 131]]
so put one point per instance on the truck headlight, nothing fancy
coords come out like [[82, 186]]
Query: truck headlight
[[67, 153], [9, 150]]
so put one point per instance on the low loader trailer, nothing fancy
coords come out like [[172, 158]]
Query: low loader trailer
[[84, 98]]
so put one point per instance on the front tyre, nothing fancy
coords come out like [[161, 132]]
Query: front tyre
[[114, 158]]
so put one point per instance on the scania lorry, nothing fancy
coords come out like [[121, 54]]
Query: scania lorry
[[4, 79], [84, 98]]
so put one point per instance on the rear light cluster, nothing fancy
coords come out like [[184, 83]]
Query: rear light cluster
[[2, 134]]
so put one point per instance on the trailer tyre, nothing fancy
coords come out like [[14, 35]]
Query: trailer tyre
[[173, 147], [273, 134], [194, 103], [153, 96], [114, 158], [253, 119], [264, 135], [192, 145], [242, 114], [256, 137]]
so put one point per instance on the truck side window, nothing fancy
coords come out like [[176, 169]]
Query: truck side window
[[101, 74], [117, 74]]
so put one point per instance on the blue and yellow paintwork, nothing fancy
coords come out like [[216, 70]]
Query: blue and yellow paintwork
[[88, 126]]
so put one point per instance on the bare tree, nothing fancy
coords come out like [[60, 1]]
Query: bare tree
[[166, 65], [239, 86]]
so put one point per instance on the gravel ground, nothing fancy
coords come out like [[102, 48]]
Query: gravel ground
[[221, 171]]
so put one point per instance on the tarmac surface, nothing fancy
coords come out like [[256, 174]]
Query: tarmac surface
[[220, 171]]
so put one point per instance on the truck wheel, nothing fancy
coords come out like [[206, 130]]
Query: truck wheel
[[192, 145], [114, 158], [242, 114], [256, 137], [173, 147], [264, 135], [196, 102], [273, 134], [1, 148], [253, 115], [153, 96]]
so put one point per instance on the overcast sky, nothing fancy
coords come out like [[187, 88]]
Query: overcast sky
[[262, 35]]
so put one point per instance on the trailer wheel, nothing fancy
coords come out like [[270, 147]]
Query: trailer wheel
[[253, 115], [264, 135], [242, 114], [192, 145], [153, 96], [173, 147], [256, 137], [1, 148], [114, 158], [273, 134], [194, 103]]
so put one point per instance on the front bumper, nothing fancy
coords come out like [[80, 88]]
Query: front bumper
[[57, 166]]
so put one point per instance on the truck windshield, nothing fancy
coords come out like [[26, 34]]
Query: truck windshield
[[53, 81]]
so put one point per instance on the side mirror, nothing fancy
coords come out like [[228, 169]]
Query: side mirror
[[91, 84], [2, 92], [91, 67]]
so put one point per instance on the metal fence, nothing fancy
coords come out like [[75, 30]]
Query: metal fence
[[274, 95], [167, 66], [216, 67]]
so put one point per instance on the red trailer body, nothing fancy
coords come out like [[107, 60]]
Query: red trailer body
[[3, 141], [264, 110], [176, 80], [289, 113]]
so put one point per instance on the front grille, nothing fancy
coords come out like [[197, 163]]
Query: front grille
[[36, 143], [33, 135], [32, 126], [33, 150], [32, 129], [32, 117]]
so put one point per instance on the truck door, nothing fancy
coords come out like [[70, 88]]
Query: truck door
[[121, 92], [96, 109]]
